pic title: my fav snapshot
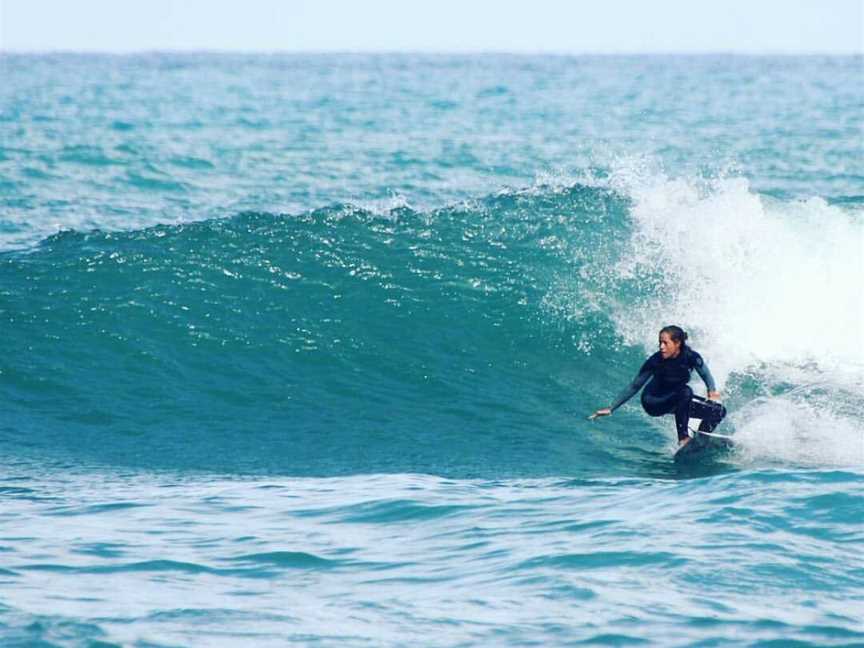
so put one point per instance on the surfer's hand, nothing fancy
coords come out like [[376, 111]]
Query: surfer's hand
[[714, 396], [601, 412]]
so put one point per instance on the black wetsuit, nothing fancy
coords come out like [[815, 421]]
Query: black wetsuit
[[669, 393]]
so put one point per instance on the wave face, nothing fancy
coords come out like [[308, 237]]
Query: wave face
[[342, 340], [327, 342]]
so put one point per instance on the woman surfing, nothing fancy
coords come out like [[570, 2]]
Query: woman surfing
[[668, 393]]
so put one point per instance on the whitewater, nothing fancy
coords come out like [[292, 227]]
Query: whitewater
[[300, 349]]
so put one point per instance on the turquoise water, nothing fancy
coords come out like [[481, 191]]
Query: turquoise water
[[300, 349]]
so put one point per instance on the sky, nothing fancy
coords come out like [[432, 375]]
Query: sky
[[554, 26]]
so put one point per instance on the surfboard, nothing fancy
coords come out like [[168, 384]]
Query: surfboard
[[704, 445]]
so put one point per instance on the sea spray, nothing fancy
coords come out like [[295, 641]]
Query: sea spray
[[770, 292]]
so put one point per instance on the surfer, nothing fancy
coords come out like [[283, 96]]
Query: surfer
[[668, 393]]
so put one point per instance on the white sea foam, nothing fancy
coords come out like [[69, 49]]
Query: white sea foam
[[771, 292]]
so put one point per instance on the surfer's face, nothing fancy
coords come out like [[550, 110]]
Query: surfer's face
[[669, 348]]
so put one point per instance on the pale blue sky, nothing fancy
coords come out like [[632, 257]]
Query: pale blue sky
[[595, 26]]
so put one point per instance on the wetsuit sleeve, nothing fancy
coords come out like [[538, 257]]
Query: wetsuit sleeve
[[644, 374], [704, 373]]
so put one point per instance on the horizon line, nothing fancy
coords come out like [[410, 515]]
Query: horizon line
[[435, 52]]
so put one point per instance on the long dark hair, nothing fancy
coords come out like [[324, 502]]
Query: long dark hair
[[675, 333]]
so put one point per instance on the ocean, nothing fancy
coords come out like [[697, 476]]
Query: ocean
[[299, 349]]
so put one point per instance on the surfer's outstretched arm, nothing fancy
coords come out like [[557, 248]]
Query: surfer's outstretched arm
[[631, 390]]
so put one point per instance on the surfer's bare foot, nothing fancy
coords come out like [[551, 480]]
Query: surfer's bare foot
[[683, 442]]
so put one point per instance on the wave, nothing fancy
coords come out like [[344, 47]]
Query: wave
[[469, 340]]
